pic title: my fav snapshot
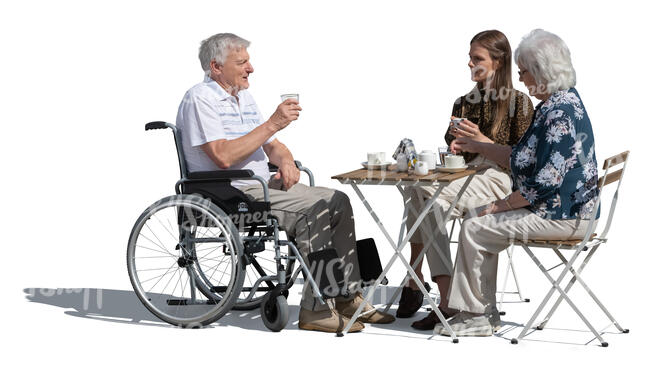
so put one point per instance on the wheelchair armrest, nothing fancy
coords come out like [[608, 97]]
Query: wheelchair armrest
[[220, 174], [273, 169], [223, 176]]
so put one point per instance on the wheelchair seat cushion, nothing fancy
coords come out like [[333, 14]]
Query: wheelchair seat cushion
[[230, 199]]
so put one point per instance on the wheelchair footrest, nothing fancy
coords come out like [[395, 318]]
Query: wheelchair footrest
[[222, 289], [327, 271], [173, 302]]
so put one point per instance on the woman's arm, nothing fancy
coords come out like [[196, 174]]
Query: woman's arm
[[492, 151], [514, 201]]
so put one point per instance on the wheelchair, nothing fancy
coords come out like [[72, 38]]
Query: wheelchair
[[195, 255]]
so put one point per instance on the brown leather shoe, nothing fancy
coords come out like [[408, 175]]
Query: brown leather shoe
[[430, 321], [410, 301], [325, 321], [368, 315]]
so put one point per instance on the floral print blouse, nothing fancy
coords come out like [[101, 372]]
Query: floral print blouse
[[554, 164]]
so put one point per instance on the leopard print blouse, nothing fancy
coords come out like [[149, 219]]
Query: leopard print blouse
[[478, 108]]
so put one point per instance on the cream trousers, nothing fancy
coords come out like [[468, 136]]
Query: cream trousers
[[317, 217], [473, 285], [486, 186]]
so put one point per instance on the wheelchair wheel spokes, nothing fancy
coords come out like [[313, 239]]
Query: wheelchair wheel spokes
[[172, 241]]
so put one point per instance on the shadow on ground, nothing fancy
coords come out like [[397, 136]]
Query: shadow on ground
[[120, 306]]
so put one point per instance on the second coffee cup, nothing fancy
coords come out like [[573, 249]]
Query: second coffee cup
[[421, 168]]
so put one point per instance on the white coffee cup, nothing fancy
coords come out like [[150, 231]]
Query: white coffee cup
[[289, 96], [454, 161], [429, 157], [376, 158], [421, 168]]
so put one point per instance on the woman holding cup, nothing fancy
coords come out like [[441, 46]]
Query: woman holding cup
[[492, 112]]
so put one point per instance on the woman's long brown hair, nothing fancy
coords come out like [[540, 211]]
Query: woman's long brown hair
[[500, 87]]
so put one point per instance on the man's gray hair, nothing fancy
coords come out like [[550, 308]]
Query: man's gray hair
[[217, 48], [548, 59]]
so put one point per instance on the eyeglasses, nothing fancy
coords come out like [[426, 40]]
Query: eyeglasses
[[522, 72]]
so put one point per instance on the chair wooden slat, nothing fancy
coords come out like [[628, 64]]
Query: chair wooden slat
[[615, 160], [611, 177], [563, 242]]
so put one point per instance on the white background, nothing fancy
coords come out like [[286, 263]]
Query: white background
[[80, 79]]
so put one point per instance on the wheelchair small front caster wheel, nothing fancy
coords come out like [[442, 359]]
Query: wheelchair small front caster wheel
[[514, 341], [604, 344], [455, 341], [275, 313]]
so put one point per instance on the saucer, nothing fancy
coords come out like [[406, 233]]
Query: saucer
[[450, 170], [383, 165]]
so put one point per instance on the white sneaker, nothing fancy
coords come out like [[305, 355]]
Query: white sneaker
[[467, 324]]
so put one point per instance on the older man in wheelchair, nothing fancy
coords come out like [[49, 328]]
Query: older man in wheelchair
[[224, 143]]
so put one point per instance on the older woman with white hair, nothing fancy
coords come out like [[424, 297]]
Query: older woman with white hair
[[554, 173]]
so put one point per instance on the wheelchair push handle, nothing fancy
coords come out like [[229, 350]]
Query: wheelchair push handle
[[157, 125]]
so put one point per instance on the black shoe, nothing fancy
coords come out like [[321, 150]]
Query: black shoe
[[430, 321], [410, 301]]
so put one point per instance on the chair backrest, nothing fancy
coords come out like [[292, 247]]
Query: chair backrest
[[614, 170], [177, 139], [618, 163]]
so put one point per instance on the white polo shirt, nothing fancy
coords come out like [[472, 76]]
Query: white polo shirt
[[208, 113]]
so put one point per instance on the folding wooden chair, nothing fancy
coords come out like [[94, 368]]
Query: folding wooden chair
[[590, 243]]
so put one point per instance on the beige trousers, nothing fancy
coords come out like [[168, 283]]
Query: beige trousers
[[473, 285], [317, 217], [487, 185]]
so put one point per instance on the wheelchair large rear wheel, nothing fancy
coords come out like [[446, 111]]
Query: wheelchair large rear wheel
[[171, 240]]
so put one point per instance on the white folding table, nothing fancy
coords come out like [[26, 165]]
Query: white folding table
[[390, 177]]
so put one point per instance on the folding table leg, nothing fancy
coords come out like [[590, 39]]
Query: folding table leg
[[401, 237], [430, 240], [403, 283], [427, 229], [397, 249], [399, 255]]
